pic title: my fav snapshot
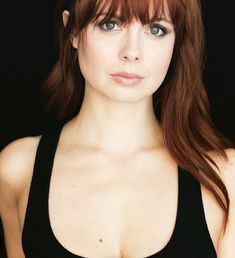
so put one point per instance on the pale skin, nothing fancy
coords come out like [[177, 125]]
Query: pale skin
[[113, 151]]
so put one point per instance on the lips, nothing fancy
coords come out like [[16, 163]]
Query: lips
[[127, 79], [128, 75]]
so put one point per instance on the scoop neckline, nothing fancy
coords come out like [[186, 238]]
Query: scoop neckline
[[68, 252]]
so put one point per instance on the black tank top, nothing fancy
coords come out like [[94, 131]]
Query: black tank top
[[190, 237]]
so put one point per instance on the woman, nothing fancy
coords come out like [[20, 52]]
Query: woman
[[134, 166]]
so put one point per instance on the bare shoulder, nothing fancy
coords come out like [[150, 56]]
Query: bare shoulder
[[16, 163], [226, 167], [227, 173], [16, 168]]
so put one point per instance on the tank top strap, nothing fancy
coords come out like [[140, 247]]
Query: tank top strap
[[39, 187], [45, 156], [191, 200], [193, 226], [44, 162]]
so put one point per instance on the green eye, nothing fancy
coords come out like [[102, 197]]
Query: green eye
[[107, 26], [110, 25], [158, 30]]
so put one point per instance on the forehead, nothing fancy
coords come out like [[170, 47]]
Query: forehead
[[145, 11]]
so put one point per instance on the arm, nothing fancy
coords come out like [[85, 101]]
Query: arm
[[226, 245], [8, 211], [16, 165]]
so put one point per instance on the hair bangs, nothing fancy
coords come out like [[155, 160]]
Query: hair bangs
[[146, 12], [126, 10]]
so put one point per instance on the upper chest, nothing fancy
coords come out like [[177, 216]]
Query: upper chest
[[101, 208]]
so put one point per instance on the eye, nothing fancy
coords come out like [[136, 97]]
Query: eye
[[107, 26], [158, 30]]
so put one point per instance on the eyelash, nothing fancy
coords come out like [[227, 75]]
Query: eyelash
[[162, 28]]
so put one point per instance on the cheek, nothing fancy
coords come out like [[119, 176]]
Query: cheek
[[160, 59], [92, 61]]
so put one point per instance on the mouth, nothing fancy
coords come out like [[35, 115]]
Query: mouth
[[127, 81], [128, 75]]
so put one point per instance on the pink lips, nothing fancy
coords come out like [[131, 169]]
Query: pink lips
[[127, 78], [127, 75]]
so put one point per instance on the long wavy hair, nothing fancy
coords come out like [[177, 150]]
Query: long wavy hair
[[180, 104]]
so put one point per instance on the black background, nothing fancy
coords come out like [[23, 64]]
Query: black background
[[28, 53]]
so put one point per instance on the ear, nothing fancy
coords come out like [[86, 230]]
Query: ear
[[65, 17]]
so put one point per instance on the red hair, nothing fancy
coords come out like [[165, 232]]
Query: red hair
[[181, 104]]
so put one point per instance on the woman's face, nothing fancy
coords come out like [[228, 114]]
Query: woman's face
[[112, 48]]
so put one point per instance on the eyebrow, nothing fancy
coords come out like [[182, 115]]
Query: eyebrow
[[115, 16], [166, 20], [118, 17]]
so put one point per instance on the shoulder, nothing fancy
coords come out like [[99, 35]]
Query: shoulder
[[226, 168], [226, 171], [16, 167], [227, 174], [16, 163]]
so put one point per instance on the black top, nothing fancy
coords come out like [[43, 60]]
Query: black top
[[190, 237]]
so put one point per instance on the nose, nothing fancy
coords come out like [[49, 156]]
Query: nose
[[131, 50]]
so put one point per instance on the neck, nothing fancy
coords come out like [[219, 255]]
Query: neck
[[117, 127]]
